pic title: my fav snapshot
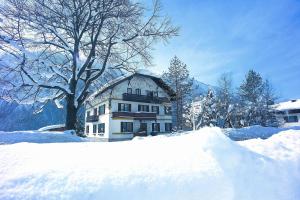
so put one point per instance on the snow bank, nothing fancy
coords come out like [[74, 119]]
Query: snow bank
[[37, 137], [254, 132], [47, 128], [200, 165]]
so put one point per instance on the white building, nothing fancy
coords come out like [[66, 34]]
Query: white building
[[136, 104], [288, 112]]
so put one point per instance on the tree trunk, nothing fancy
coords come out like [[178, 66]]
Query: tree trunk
[[71, 113]]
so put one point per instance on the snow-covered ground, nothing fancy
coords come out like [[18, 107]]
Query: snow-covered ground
[[204, 164]]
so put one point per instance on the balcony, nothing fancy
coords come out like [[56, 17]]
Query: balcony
[[92, 118], [135, 115], [144, 98]]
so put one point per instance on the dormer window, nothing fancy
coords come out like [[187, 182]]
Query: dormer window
[[129, 90], [138, 91]]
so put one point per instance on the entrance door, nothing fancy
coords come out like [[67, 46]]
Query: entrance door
[[143, 129]]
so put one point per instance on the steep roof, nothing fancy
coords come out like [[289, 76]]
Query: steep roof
[[157, 80]]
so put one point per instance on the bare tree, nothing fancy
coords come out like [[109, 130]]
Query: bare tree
[[60, 49]]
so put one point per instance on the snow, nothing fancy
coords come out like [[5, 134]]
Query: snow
[[37, 137], [288, 105], [46, 128], [204, 164], [253, 132]]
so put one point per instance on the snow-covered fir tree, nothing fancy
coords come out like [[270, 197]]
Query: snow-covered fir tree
[[179, 79]]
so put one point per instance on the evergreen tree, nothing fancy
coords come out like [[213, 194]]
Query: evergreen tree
[[268, 98], [179, 79], [225, 101]]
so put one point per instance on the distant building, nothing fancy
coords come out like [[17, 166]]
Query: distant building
[[137, 104], [288, 112]]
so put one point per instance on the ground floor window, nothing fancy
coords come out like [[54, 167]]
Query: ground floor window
[[155, 127], [126, 127], [291, 119], [168, 127], [94, 128], [101, 128], [87, 129]]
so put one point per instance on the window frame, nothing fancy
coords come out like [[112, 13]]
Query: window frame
[[157, 111], [87, 129], [129, 89], [126, 127], [169, 125], [168, 110], [94, 128], [153, 127], [124, 104], [101, 128], [140, 106], [138, 91], [101, 112]]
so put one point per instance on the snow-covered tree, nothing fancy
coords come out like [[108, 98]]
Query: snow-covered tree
[[256, 98], [225, 101], [179, 79], [63, 50]]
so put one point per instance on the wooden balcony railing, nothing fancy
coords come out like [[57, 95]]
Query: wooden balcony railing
[[92, 118], [144, 98], [135, 115]]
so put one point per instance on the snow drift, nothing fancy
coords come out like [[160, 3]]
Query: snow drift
[[200, 165]]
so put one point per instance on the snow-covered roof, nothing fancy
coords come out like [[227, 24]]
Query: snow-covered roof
[[288, 105], [46, 128], [156, 78]]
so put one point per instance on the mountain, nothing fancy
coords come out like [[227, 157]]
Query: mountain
[[14, 116]]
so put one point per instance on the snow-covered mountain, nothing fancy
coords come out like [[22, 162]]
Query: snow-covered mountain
[[14, 116]]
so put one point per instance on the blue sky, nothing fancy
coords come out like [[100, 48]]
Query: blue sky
[[234, 36]]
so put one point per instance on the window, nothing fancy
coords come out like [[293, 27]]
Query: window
[[102, 109], [291, 119], [94, 128], [87, 129], [138, 91], [155, 94], [126, 127], [101, 128], [168, 127], [155, 109], [168, 110], [95, 111], [124, 107], [149, 93], [88, 113], [143, 108], [155, 127], [129, 90]]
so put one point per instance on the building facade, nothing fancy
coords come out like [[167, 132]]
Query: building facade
[[134, 105], [288, 113]]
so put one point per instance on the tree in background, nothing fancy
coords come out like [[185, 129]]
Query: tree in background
[[256, 97], [179, 79], [62, 50], [225, 101]]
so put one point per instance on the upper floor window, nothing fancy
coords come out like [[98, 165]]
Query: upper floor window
[[125, 107], [95, 111], [101, 128], [126, 127], [129, 90], [168, 110], [102, 109], [149, 93], [155, 109], [138, 91], [143, 108], [88, 113], [155, 94]]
